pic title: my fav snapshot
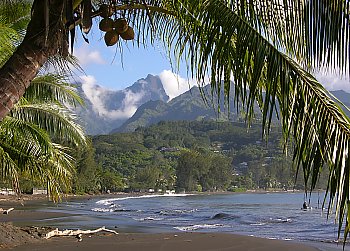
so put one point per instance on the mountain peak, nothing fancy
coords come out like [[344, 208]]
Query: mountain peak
[[107, 109]]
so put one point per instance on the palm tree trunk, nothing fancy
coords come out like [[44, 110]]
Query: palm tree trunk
[[46, 36]]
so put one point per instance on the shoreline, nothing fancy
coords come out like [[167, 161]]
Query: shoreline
[[28, 199], [26, 214]]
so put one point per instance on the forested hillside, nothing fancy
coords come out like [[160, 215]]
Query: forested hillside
[[196, 155]]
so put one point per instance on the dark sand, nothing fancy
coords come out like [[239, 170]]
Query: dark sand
[[13, 236], [163, 242]]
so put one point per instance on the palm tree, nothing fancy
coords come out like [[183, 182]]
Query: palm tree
[[269, 48], [30, 133], [29, 136]]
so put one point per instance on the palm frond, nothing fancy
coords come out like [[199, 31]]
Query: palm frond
[[56, 120], [8, 38], [224, 41], [52, 88], [17, 131], [16, 14], [66, 66], [316, 33], [8, 168], [60, 170]]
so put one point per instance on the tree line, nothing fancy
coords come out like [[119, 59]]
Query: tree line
[[188, 156]]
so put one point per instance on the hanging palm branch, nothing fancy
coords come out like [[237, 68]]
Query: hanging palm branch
[[53, 88], [57, 121], [232, 45], [27, 142], [41, 118]]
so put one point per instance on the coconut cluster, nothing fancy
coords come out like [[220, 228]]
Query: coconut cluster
[[114, 28]]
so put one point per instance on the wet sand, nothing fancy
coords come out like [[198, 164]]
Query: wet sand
[[163, 242]]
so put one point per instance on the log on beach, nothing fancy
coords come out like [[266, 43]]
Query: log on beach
[[6, 211], [77, 233]]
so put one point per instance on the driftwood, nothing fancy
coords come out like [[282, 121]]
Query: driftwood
[[77, 233], [3, 211]]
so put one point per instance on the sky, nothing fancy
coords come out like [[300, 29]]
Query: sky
[[108, 68]]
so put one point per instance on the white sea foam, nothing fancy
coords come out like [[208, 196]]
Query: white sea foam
[[175, 212], [108, 202], [258, 224], [197, 227], [279, 220], [148, 219], [102, 210]]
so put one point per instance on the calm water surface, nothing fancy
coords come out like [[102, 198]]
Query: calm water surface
[[270, 215]]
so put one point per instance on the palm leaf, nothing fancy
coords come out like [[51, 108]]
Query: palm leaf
[[56, 120], [52, 88], [8, 168], [224, 40], [59, 172]]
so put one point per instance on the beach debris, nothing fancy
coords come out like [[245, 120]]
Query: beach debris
[[77, 233], [79, 237], [4, 211]]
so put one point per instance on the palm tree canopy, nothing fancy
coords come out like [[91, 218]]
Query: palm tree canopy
[[28, 136], [39, 119]]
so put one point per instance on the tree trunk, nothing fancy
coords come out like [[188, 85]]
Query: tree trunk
[[46, 36]]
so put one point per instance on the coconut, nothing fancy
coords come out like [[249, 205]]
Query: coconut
[[121, 25], [111, 38], [105, 11], [129, 34], [106, 24]]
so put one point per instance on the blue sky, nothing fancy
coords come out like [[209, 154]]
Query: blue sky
[[115, 70], [103, 66]]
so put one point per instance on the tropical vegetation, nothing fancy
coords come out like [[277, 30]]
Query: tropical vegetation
[[36, 135], [198, 156], [268, 48]]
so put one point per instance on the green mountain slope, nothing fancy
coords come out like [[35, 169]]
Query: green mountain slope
[[191, 106]]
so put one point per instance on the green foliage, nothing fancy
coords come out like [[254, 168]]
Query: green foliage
[[200, 168], [35, 137], [35, 141], [111, 181], [209, 155], [87, 178]]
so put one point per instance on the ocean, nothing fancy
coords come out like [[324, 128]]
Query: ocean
[[267, 215]]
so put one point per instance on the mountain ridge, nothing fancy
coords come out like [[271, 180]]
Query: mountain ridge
[[191, 106], [107, 109]]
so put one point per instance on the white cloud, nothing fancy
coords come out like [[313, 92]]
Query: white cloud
[[97, 94], [87, 56], [333, 81], [174, 85]]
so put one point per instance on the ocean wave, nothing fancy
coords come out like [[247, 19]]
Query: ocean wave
[[258, 224], [279, 220], [176, 212], [102, 210], [148, 219], [107, 202], [197, 227], [110, 210], [224, 216]]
